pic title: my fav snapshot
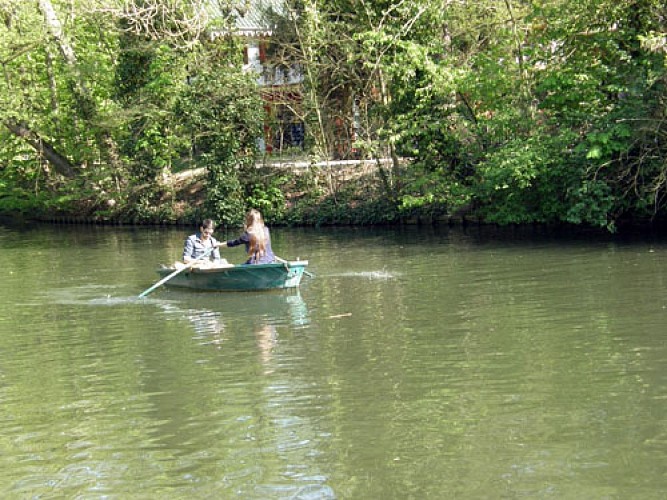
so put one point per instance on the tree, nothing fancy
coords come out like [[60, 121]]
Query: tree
[[603, 84], [222, 110]]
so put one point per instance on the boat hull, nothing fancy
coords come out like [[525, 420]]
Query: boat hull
[[239, 278]]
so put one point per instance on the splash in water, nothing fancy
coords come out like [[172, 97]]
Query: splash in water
[[370, 275]]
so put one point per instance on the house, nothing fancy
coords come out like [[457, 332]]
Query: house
[[280, 82]]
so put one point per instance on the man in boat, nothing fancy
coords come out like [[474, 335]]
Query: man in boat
[[196, 245]]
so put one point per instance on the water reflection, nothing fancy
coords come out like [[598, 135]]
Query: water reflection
[[259, 314], [207, 318], [261, 404], [267, 338]]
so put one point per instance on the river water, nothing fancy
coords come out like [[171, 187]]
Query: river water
[[416, 363]]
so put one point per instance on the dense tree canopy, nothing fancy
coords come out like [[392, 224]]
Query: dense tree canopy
[[541, 111]]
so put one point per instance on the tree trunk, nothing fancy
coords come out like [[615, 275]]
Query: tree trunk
[[395, 181], [56, 30], [61, 164]]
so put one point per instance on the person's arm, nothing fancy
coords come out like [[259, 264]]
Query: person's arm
[[241, 240], [188, 250]]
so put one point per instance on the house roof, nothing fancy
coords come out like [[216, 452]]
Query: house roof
[[249, 16]]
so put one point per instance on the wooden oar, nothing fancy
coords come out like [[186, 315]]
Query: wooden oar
[[310, 275], [167, 278]]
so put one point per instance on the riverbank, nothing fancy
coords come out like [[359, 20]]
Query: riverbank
[[348, 192], [351, 192], [292, 193]]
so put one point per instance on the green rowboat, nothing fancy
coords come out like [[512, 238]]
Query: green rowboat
[[286, 274]]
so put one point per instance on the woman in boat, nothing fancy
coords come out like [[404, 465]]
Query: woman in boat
[[256, 238], [196, 245]]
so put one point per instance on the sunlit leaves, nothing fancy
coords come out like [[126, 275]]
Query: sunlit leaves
[[223, 113]]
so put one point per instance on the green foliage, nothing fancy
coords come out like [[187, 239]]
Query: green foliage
[[529, 111], [265, 193], [547, 114], [222, 111], [591, 203], [358, 201], [344, 210], [17, 200], [526, 181], [150, 78]]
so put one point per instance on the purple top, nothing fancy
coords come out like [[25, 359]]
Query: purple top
[[244, 239]]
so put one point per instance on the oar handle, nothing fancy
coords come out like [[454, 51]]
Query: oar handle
[[167, 278]]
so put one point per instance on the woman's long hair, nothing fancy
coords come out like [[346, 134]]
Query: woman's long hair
[[254, 226]]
